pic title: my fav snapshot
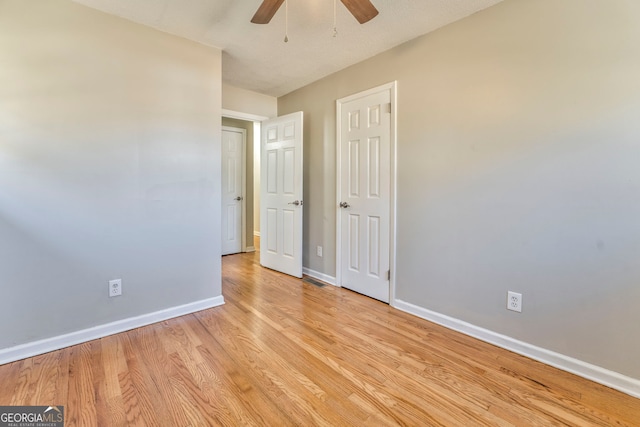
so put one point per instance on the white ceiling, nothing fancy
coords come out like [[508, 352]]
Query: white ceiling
[[255, 57]]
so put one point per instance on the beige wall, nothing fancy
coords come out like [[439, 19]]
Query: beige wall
[[249, 196], [247, 101], [109, 168], [518, 170]]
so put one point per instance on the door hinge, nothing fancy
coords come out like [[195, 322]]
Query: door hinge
[[389, 108], [389, 275]]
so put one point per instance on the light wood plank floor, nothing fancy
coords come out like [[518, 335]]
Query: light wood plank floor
[[283, 352]]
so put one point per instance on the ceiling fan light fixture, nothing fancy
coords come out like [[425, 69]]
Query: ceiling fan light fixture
[[362, 10], [265, 12]]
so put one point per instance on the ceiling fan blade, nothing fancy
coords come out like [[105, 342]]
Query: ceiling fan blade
[[362, 10], [265, 12]]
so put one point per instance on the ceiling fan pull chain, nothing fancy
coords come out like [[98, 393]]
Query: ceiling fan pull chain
[[335, 20], [286, 21]]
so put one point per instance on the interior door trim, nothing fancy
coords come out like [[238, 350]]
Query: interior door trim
[[243, 116], [392, 87]]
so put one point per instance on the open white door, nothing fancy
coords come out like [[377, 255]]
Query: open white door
[[364, 192], [281, 194], [233, 160]]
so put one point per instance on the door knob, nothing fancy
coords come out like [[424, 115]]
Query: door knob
[[238, 198], [295, 202], [344, 205]]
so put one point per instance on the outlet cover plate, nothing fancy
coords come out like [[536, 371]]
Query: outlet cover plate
[[115, 288], [514, 301]]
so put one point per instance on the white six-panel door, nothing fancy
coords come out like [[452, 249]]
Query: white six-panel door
[[281, 194], [364, 193], [233, 149]]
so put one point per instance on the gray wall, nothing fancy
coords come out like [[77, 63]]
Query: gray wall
[[249, 196], [109, 168], [518, 169]]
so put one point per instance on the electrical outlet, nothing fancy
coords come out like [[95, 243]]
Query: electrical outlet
[[514, 301], [319, 251], [115, 288]]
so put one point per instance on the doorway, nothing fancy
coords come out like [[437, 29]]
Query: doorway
[[251, 124], [276, 162]]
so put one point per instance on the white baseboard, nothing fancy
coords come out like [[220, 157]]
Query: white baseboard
[[615, 380], [250, 249], [35, 348], [320, 276]]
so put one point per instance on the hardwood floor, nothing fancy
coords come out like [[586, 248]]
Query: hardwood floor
[[283, 352]]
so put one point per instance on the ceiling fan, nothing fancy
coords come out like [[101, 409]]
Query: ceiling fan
[[362, 10]]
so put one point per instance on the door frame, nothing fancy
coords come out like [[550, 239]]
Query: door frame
[[243, 185], [392, 88]]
